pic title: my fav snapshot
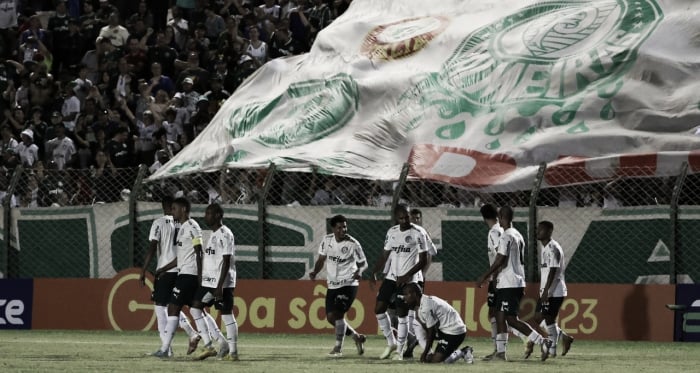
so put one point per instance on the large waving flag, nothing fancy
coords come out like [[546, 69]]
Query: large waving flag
[[476, 93]]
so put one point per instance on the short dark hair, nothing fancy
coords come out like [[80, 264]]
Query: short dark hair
[[488, 211], [416, 212], [338, 219], [184, 202], [167, 201], [506, 212], [216, 208], [414, 288], [547, 224], [402, 207]]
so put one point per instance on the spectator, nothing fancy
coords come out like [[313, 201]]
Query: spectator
[[8, 24], [38, 127], [161, 159], [180, 27], [256, 48], [41, 85], [271, 11], [142, 14], [74, 48], [217, 94], [61, 148], [7, 139], [114, 32], [120, 156], [71, 106], [14, 119], [282, 44], [189, 96], [163, 54], [214, 24], [194, 71], [82, 136], [89, 22], [58, 27], [34, 31], [136, 58], [159, 81], [226, 75], [28, 151]]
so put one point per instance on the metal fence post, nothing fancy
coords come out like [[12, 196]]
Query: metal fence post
[[133, 219], [262, 229], [532, 225], [674, 242], [9, 260], [397, 192]]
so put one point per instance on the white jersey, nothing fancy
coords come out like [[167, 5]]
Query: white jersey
[[435, 311], [163, 231], [406, 247], [220, 243], [341, 260], [494, 238], [512, 245], [553, 260], [188, 236]]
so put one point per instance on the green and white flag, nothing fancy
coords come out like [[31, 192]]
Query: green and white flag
[[476, 93]]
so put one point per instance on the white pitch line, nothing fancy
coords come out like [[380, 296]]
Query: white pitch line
[[48, 341]]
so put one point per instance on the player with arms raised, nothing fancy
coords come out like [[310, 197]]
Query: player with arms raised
[[345, 263]]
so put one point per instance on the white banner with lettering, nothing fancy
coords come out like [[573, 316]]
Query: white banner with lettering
[[475, 93]]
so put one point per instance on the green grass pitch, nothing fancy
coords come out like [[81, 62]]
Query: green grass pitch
[[101, 351]]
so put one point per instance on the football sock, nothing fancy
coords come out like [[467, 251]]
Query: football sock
[[419, 332], [349, 331], [340, 328], [162, 319], [185, 325], [213, 327], [501, 342], [385, 325], [517, 333], [169, 333], [401, 333], [456, 355], [552, 330], [535, 337], [201, 325], [231, 332], [494, 331]]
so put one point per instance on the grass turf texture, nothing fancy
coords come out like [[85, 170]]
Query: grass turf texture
[[101, 351]]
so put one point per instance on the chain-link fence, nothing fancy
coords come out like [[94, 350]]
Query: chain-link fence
[[631, 227]]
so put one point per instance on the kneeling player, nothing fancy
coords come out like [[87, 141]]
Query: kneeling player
[[441, 321]]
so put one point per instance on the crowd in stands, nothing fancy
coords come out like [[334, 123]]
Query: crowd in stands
[[90, 89]]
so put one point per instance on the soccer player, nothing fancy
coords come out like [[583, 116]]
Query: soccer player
[[218, 283], [411, 340], [189, 264], [552, 288], [490, 215], [162, 240], [345, 263], [408, 242], [439, 320], [510, 287]]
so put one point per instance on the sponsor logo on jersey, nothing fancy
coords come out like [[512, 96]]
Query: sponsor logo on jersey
[[337, 259], [401, 249]]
